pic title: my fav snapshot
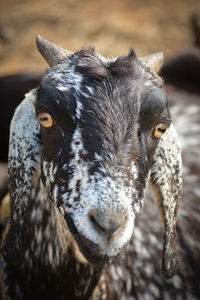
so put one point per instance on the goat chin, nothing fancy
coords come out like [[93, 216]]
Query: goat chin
[[85, 250]]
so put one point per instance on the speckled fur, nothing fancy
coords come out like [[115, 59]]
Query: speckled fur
[[99, 167]]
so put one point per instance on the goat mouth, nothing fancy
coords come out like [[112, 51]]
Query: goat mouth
[[88, 248]]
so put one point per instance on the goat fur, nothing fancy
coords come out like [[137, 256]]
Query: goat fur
[[35, 216]]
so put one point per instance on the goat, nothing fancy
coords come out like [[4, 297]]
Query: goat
[[83, 146]]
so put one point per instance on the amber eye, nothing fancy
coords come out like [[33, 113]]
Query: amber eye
[[45, 119], [159, 130]]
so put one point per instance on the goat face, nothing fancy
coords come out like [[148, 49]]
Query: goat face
[[98, 121], [98, 143]]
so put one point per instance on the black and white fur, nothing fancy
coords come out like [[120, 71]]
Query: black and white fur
[[77, 187]]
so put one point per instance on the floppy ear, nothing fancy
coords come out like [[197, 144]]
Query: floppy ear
[[166, 183], [24, 150]]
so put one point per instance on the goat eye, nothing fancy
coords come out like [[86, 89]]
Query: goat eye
[[159, 130], [45, 120]]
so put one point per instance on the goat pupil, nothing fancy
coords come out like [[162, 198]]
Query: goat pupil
[[44, 119], [161, 130]]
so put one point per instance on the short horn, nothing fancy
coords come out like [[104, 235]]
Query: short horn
[[50, 52], [154, 61]]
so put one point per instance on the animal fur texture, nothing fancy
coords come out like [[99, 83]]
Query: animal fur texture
[[77, 186]]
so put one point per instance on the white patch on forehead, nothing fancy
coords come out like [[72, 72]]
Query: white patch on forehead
[[66, 78], [98, 157], [134, 170], [85, 94], [77, 144], [63, 88], [79, 107], [90, 89], [76, 78]]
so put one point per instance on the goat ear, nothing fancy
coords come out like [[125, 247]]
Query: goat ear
[[50, 52], [154, 61], [24, 157], [166, 183]]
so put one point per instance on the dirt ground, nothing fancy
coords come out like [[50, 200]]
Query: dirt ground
[[112, 26]]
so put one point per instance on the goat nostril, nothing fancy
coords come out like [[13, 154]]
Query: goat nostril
[[107, 225], [96, 223]]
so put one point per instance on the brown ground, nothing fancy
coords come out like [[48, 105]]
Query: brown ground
[[112, 26]]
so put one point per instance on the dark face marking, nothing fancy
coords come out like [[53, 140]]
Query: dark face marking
[[98, 153]]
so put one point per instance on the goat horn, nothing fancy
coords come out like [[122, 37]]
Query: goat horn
[[154, 61], [50, 52]]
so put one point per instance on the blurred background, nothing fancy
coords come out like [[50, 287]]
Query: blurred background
[[112, 26]]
